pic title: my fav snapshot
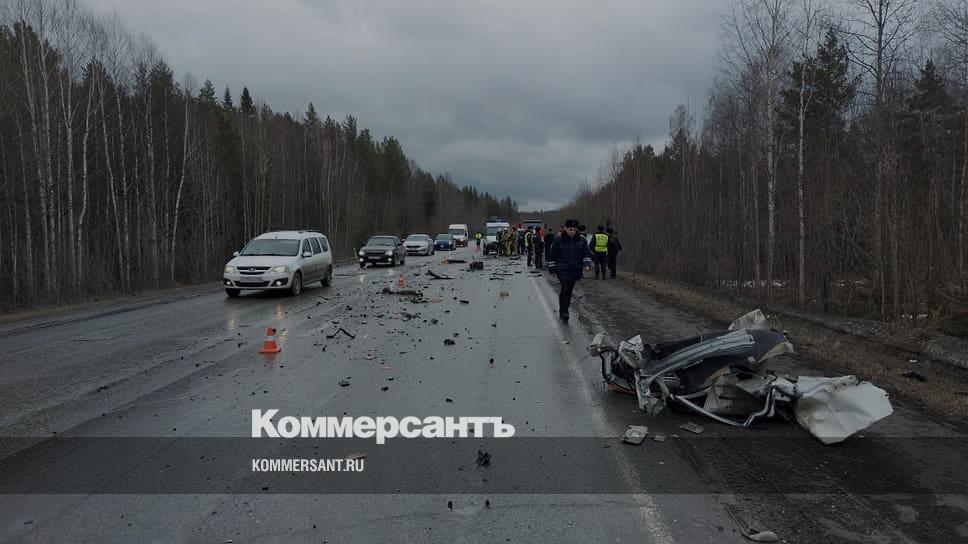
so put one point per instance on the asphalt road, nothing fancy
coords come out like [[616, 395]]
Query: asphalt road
[[129, 423]]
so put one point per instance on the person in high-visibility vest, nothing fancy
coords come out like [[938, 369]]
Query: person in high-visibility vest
[[477, 238], [600, 252]]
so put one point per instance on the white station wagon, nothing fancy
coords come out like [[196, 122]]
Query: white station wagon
[[280, 260]]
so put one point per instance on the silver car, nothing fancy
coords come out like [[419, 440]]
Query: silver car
[[282, 260], [419, 244]]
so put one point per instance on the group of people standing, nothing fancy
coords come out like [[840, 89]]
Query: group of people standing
[[569, 254], [534, 242]]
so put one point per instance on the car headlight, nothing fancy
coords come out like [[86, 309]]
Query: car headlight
[[389, 253], [362, 254], [230, 270], [280, 269]]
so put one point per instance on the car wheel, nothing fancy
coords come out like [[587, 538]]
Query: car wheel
[[328, 279], [232, 292], [296, 286]]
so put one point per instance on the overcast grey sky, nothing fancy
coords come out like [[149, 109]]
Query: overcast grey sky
[[524, 98]]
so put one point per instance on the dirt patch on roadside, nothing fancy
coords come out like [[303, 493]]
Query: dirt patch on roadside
[[871, 351]]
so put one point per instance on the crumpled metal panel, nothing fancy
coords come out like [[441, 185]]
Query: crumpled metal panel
[[834, 408]]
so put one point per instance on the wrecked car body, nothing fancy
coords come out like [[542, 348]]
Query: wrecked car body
[[723, 376]]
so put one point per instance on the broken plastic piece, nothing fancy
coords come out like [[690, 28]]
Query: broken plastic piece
[[635, 434], [691, 427], [761, 536]]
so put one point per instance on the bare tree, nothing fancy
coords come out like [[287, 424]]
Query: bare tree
[[809, 27], [880, 32], [760, 32], [951, 16]]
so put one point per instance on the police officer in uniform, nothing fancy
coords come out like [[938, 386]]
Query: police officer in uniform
[[614, 246], [569, 255], [528, 245], [549, 239], [539, 249]]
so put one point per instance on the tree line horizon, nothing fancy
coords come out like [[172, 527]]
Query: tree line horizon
[[115, 177]]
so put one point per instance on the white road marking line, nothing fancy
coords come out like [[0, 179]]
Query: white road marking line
[[648, 510]]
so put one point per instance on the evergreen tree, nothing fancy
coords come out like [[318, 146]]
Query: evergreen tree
[[206, 95], [245, 104], [227, 100]]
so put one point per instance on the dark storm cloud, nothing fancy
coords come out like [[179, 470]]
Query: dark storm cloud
[[519, 98]]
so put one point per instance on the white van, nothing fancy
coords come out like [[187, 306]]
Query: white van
[[460, 233], [491, 228]]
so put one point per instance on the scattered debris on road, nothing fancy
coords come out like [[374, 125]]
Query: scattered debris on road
[[344, 383], [761, 536], [635, 434], [439, 276], [722, 375], [338, 331], [483, 458], [476, 265], [692, 427], [449, 342], [402, 292]]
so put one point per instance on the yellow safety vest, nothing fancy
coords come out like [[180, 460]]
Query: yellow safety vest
[[601, 243]]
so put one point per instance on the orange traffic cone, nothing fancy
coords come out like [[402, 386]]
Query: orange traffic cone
[[400, 282], [270, 346]]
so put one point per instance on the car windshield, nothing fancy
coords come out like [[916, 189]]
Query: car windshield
[[417, 238], [272, 246], [492, 231], [381, 241], [444, 237], [456, 231]]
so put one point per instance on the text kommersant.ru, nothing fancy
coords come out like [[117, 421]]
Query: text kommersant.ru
[[380, 428]]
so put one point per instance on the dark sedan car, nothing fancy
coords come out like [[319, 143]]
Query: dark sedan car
[[445, 242], [382, 250]]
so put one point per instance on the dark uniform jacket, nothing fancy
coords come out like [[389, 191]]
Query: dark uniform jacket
[[549, 239], [568, 255], [614, 246]]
